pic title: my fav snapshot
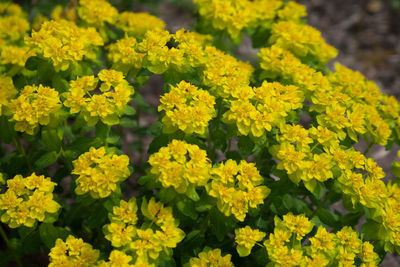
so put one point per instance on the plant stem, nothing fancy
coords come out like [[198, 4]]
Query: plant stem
[[21, 150], [327, 197], [5, 238]]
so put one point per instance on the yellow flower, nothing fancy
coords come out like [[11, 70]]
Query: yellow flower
[[246, 238], [35, 105], [292, 11], [211, 258], [7, 92], [137, 24], [99, 172], [108, 106], [13, 28], [64, 43], [237, 187], [187, 108], [97, 12], [73, 252], [117, 258], [180, 165], [27, 200]]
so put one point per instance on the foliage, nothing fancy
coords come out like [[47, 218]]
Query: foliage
[[245, 160]]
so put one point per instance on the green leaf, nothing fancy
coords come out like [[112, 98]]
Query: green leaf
[[102, 130], [157, 143], [191, 193], [127, 122], [46, 160], [187, 208], [371, 230], [7, 131], [245, 145], [218, 224], [83, 143], [51, 139], [327, 217], [129, 110], [60, 84], [166, 195], [32, 63], [50, 233], [243, 251]]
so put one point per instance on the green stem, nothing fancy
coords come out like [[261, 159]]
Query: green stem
[[5, 238], [369, 145], [21, 150], [322, 203]]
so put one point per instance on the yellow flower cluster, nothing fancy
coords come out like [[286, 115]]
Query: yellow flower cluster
[[237, 187], [302, 40], [7, 92], [344, 99], [180, 165], [124, 56], [13, 24], [107, 106], [97, 12], [235, 16], [157, 235], [246, 238], [187, 108], [119, 259], [285, 248], [15, 55], [35, 105], [73, 252], [64, 43], [259, 109], [137, 24], [27, 200], [224, 74], [210, 258], [99, 172]]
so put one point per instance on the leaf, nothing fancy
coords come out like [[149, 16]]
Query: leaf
[[187, 208], [371, 230], [243, 251], [7, 131], [129, 110], [46, 160], [60, 84], [102, 130], [83, 143], [157, 143], [50, 233], [245, 145], [32, 63], [51, 139], [218, 224], [327, 217], [191, 193]]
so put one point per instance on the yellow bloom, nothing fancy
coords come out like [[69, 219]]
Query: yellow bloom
[[137, 24], [35, 105], [246, 238], [211, 258], [187, 108], [7, 92], [27, 200], [180, 165], [73, 252], [99, 172], [97, 12]]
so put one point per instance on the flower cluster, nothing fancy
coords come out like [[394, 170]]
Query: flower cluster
[[239, 15], [120, 259], [107, 106], [246, 238], [13, 24], [259, 109], [97, 12], [27, 200], [99, 172], [7, 92], [35, 105], [64, 43], [124, 55], [73, 252], [302, 40], [137, 24], [187, 108], [180, 165], [211, 257], [237, 187], [285, 247], [157, 235]]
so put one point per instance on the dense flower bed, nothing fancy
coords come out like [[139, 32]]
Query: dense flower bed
[[246, 159]]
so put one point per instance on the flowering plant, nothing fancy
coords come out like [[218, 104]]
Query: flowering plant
[[245, 163]]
